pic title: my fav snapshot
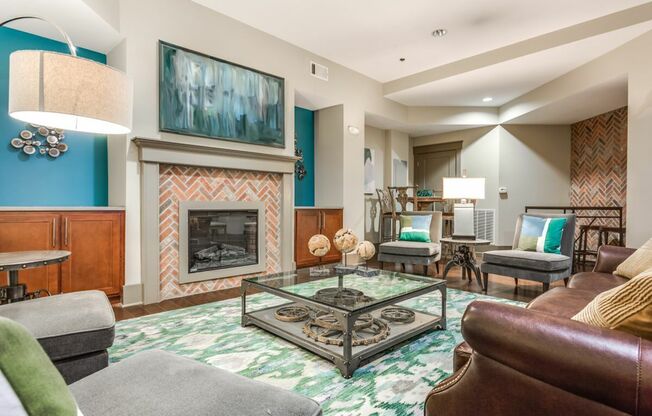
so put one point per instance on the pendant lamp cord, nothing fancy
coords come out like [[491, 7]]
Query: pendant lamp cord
[[71, 47]]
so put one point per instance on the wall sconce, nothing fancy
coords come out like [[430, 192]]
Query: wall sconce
[[354, 130]]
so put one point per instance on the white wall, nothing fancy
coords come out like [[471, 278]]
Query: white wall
[[374, 139], [329, 152], [534, 165], [397, 146], [532, 161]]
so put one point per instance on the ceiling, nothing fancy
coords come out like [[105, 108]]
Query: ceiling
[[510, 79], [79, 20], [369, 36]]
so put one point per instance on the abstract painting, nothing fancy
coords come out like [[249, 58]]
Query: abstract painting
[[200, 95], [369, 178]]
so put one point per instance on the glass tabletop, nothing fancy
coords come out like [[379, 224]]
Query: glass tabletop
[[347, 291]]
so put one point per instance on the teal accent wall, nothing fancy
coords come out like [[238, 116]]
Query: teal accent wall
[[304, 128], [77, 178]]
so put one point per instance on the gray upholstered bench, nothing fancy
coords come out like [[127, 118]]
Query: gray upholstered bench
[[74, 329], [157, 383]]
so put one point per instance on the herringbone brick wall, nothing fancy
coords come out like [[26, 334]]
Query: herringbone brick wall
[[186, 183], [599, 162]]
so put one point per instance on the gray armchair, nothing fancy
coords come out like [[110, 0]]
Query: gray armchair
[[529, 265], [412, 252]]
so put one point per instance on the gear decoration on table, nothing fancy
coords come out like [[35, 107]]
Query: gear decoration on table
[[44, 140], [341, 296], [366, 330], [292, 313], [398, 315]]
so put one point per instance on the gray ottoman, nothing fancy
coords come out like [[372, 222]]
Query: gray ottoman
[[74, 329], [157, 383]]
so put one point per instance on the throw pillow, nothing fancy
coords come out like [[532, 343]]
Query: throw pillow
[[541, 234], [415, 228], [636, 263], [29, 380], [627, 307]]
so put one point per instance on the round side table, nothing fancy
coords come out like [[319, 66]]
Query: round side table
[[464, 257], [13, 262]]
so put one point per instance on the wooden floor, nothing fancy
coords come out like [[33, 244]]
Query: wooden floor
[[499, 286]]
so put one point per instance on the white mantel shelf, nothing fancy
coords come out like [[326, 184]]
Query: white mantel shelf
[[175, 153]]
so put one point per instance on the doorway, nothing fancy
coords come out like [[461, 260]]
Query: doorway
[[434, 162]]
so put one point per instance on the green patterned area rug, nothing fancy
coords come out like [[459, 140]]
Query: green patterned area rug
[[395, 384]]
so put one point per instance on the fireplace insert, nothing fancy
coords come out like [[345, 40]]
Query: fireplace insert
[[220, 239]]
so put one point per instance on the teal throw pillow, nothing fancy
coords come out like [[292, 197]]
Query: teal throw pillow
[[541, 234], [415, 228], [29, 382]]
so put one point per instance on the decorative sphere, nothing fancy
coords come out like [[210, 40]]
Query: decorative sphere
[[366, 250], [319, 245], [345, 241]]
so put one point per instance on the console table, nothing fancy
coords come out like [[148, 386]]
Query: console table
[[13, 262]]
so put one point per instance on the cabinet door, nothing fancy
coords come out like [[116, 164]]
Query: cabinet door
[[31, 231], [96, 241], [307, 222], [332, 220]]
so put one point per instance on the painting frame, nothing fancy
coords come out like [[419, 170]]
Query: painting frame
[[187, 132]]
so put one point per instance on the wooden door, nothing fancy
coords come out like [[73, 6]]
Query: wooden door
[[331, 221], [307, 223], [96, 241], [31, 231], [434, 162]]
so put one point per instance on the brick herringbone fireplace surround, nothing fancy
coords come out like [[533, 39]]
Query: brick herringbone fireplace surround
[[179, 183]]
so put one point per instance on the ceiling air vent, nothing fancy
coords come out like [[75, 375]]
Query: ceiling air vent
[[319, 71]]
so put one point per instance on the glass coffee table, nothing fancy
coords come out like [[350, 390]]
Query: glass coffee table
[[347, 319]]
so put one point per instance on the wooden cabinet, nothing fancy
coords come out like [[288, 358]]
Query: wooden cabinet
[[95, 241], [94, 238], [311, 221], [32, 231]]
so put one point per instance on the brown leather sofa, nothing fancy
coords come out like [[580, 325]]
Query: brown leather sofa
[[537, 361]]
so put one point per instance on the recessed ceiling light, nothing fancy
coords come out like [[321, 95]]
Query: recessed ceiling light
[[401, 59], [439, 32], [487, 99]]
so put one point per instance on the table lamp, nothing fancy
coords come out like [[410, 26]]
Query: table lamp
[[467, 190]]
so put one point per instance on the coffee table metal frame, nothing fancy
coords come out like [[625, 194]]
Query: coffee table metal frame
[[347, 361]]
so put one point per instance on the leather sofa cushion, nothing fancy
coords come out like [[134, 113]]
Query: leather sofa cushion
[[410, 248], [67, 325], [546, 262], [596, 282], [562, 302], [158, 383], [461, 355]]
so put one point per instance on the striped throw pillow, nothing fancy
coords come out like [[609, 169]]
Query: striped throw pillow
[[636, 263], [627, 307], [415, 228], [540, 234]]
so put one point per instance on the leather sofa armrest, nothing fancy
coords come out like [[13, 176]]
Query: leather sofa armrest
[[603, 365], [609, 257]]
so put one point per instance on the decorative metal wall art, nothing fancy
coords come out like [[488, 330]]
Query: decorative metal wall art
[[44, 140]]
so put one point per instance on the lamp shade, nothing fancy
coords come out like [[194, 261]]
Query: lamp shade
[[68, 92], [463, 188]]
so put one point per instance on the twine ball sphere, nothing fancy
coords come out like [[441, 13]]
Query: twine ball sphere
[[319, 245], [345, 241], [366, 250]]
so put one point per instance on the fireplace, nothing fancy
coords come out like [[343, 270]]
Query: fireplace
[[220, 239]]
